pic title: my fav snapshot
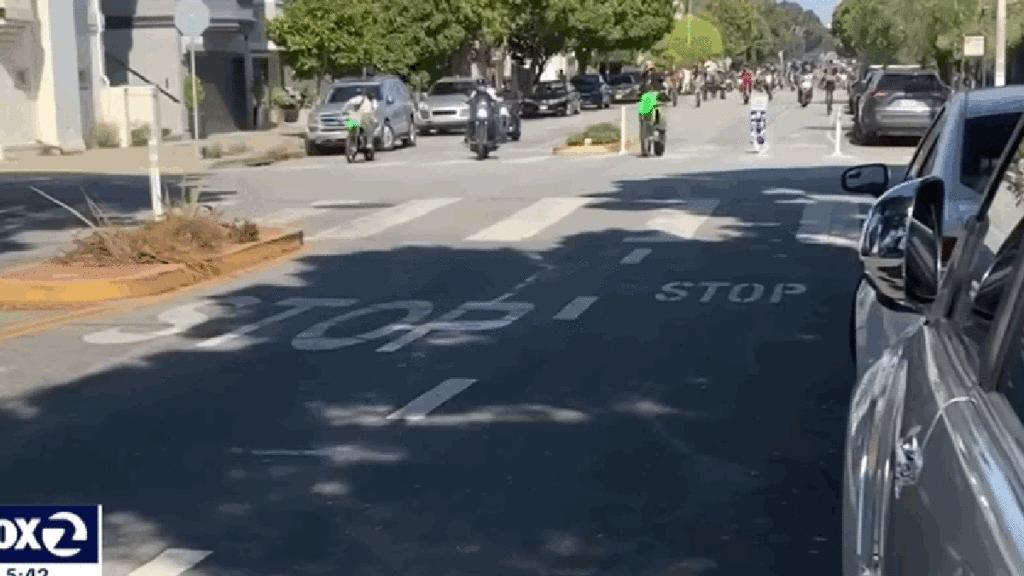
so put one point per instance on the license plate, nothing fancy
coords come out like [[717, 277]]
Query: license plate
[[544, 107], [909, 105]]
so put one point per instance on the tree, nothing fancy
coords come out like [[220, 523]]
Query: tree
[[689, 42], [610, 25], [538, 29]]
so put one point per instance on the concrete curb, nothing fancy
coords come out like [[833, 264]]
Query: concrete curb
[[157, 281], [585, 151]]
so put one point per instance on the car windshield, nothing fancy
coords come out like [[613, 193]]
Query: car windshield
[[585, 81], [984, 140], [910, 83], [620, 79], [549, 88], [343, 94], [451, 88]]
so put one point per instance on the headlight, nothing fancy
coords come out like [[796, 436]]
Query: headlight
[[423, 107], [481, 112]]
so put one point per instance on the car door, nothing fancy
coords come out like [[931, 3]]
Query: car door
[[958, 463]]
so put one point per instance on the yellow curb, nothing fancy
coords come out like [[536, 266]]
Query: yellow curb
[[160, 280]]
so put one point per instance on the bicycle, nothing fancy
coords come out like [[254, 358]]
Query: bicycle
[[357, 142]]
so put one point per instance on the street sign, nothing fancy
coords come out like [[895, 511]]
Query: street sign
[[974, 45], [192, 18]]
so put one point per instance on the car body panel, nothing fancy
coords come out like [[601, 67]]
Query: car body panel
[[624, 87]]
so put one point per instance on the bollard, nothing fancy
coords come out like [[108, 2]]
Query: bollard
[[839, 135], [622, 132], [154, 160]]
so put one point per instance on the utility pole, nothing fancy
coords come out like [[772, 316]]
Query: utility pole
[[1000, 72]]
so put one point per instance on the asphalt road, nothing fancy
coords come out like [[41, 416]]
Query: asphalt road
[[596, 366]]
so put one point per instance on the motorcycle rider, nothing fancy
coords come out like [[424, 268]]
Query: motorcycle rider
[[829, 81], [364, 112], [746, 80]]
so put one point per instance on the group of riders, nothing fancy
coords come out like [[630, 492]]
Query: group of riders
[[702, 79], [709, 78]]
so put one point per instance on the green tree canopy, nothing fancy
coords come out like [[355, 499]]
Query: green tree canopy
[[692, 39]]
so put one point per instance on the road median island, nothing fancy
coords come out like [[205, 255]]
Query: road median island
[[133, 262], [602, 139]]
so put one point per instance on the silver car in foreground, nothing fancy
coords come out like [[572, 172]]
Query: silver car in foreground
[[446, 106], [933, 479], [962, 148]]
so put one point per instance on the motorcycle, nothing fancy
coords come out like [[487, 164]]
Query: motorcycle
[[357, 141], [806, 90], [652, 134], [769, 85], [745, 90], [488, 126], [698, 89]]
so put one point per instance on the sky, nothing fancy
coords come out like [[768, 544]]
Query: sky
[[823, 8]]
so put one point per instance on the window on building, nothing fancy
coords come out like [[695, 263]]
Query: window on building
[[22, 81]]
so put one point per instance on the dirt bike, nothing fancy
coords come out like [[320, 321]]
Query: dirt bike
[[652, 134], [357, 142], [745, 90]]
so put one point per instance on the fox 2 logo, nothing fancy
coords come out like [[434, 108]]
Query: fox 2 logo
[[50, 534]]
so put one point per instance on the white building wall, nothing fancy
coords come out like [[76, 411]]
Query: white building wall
[[19, 79]]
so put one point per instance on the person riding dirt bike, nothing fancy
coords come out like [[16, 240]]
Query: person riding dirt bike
[[652, 120], [362, 124], [829, 81]]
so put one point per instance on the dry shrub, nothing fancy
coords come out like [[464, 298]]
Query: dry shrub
[[178, 239]]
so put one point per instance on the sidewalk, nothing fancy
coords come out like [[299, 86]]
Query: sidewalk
[[176, 158]]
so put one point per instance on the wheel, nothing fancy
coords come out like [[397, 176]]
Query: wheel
[[368, 152], [387, 137], [721, 94], [659, 148], [698, 99], [410, 140], [351, 146], [579, 107], [481, 150], [312, 149]]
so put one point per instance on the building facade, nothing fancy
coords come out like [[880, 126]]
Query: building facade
[[48, 71]]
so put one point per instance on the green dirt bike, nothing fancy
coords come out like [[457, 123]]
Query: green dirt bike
[[357, 142], [652, 132]]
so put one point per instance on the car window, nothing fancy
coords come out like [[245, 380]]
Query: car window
[[345, 93], [452, 88], [910, 83], [924, 156], [620, 79], [550, 87], [984, 140], [1001, 242]]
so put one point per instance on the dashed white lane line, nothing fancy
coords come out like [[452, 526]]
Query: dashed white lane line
[[430, 400], [636, 256], [333, 203], [171, 562], [529, 160], [384, 219], [530, 220], [573, 309]]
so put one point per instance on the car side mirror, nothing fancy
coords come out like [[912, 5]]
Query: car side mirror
[[901, 244], [866, 179]]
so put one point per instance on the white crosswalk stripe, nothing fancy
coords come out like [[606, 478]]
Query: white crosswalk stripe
[[382, 220], [530, 220], [671, 225], [290, 215]]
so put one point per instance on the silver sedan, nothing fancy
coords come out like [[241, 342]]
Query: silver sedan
[[933, 478]]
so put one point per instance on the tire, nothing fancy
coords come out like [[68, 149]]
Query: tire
[[410, 140], [387, 137], [369, 152], [312, 149], [721, 94], [351, 147], [579, 108], [481, 150], [659, 148]]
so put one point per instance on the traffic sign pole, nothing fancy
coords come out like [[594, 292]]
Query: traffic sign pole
[[195, 97]]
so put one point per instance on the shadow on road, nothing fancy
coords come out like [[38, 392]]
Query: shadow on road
[[649, 437]]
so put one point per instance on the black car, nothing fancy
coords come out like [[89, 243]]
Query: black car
[[552, 97], [624, 87], [594, 91]]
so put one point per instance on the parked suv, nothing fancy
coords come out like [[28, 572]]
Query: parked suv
[[899, 103], [395, 113]]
